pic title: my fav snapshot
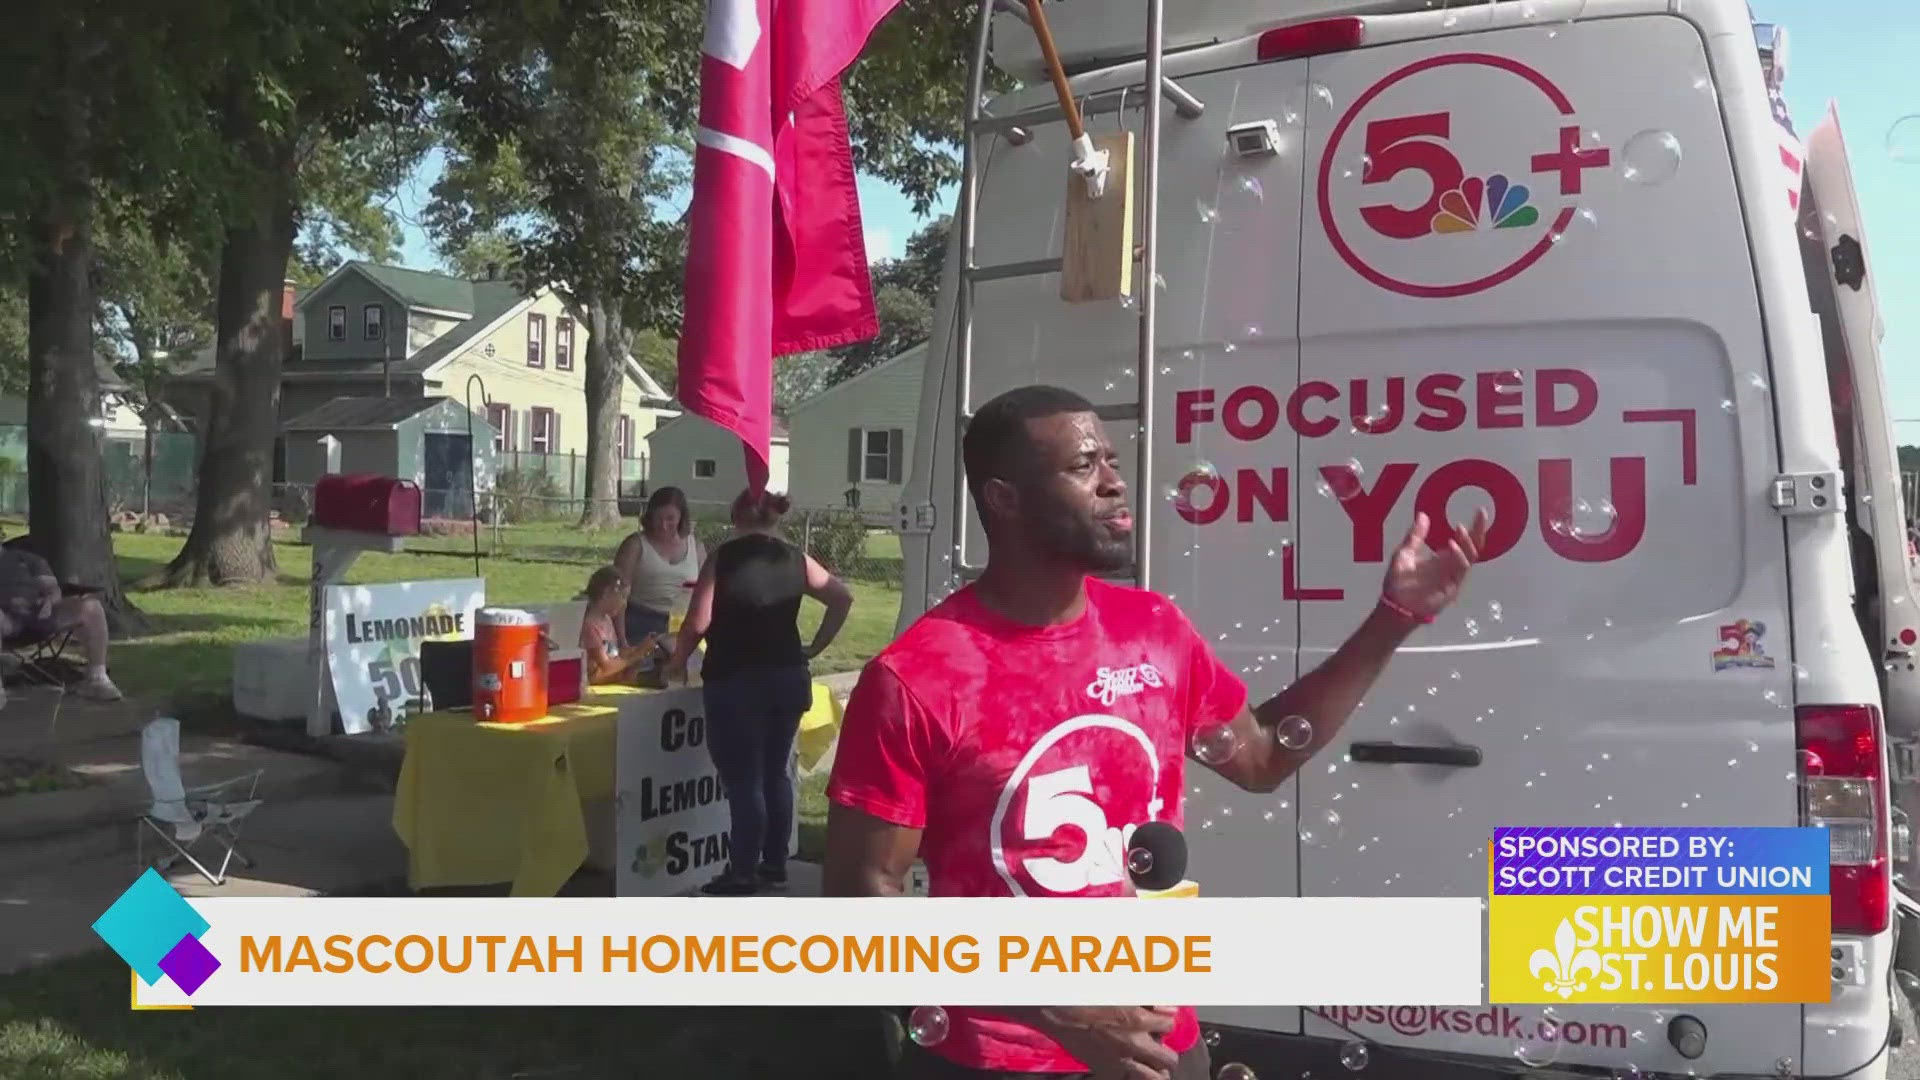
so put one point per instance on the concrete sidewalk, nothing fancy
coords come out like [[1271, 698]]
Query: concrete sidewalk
[[325, 826], [101, 744], [69, 854]]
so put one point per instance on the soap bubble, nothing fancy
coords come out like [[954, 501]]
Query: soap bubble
[[1333, 817], [1202, 476], [1757, 381], [1250, 185], [1208, 213], [1651, 157], [928, 1025], [1541, 1048], [1139, 861], [1213, 1038], [1215, 743], [1903, 140], [1233, 1070], [1354, 1056], [1293, 732], [1628, 1072]]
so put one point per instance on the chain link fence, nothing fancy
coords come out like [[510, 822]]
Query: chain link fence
[[513, 524]]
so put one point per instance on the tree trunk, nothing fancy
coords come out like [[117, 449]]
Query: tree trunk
[[66, 481], [231, 541], [607, 345]]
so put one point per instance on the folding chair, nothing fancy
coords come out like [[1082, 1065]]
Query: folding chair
[[181, 816], [41, 658]]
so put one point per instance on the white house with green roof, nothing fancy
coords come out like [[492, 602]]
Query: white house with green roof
[[369, 330]]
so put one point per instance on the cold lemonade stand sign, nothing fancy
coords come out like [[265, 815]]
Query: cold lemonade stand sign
[[373, 636], [671, 823]]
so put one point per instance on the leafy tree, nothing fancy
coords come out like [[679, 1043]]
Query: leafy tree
[[311, 101], [13, 335], [575, 170], [102, 95], [156, 310], [904, 293]]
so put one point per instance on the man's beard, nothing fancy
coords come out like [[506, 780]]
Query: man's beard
[[1083, 543]]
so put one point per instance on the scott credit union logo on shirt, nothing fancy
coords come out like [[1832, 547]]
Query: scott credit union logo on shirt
[[1110, 684], [1659, 916]]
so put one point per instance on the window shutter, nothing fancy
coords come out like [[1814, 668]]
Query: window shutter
[[854, 452], [896, 442]]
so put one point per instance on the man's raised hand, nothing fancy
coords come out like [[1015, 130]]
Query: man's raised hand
[[1422, 582]]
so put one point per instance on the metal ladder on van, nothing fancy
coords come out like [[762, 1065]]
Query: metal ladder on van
[[1157, 86]]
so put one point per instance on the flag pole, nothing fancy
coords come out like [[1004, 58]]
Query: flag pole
[[1088, 162]]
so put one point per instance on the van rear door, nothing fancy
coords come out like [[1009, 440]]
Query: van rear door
[[1527, 285], [1844, 294]]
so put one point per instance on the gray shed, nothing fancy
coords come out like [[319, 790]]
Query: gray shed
[[423, 439]]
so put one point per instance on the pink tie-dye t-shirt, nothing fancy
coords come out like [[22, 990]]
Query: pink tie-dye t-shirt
[[1026, 754]]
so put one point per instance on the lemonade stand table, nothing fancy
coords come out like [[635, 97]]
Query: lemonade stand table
[[484, 804], [481, 804]]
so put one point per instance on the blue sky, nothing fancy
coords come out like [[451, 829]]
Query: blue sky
[[1860, 54]]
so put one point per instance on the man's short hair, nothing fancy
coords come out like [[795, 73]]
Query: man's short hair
[[997, 446]]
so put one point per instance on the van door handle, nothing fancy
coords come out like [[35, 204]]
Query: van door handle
[[1387, 753]]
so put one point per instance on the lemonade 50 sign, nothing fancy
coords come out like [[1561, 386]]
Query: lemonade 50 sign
[[373, 636], [1659, 916]]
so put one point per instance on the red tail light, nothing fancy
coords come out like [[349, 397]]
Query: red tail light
[[1843, 787], [1311, 39]]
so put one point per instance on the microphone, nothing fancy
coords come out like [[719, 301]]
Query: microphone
[[1156, 857]]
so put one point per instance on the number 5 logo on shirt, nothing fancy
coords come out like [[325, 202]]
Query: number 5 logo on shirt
[[1064, 798]]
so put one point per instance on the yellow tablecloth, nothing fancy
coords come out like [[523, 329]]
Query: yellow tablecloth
[[480, 804]]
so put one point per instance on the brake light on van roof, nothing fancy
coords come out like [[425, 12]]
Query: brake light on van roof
[[1843, 787], [1311, 38]]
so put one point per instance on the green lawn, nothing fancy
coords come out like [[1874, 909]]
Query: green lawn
[[190, 650], [70, 1021]]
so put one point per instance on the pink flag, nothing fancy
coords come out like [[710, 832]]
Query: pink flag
[[776, 263]]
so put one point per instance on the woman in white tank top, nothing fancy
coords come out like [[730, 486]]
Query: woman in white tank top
[[660, 562]]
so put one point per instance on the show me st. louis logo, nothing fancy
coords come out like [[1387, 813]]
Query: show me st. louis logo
[[157, 932]]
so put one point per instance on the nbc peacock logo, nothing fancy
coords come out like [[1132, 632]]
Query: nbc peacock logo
[[1493, 202]]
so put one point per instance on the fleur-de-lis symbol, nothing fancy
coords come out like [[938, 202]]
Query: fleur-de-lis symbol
[[1565, 964]]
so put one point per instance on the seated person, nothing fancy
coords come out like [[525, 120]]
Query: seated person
[[603, 635], [31, 604]]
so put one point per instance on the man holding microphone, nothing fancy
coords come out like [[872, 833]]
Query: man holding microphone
[[1016, 728]]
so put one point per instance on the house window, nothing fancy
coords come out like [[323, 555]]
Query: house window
[[873, 455], [563, 343], [337, 323], [705, 468], [501, 417], [536, 341], [543, 435], [625, 436], [372, 322]]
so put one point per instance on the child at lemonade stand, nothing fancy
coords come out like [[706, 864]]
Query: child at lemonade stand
[[603, 637]]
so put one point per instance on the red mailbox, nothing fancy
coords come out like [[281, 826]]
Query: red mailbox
[[365, 502]]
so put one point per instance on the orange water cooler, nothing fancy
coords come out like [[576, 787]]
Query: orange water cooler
[[509, 666]]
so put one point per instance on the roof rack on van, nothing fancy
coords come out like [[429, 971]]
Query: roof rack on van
[[1101, 33]]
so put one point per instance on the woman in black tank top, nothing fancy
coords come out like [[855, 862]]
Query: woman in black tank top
[[755, 681]]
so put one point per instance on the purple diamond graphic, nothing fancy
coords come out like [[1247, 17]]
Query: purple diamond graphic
[[189, 964]]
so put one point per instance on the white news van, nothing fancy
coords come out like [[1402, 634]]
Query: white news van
[[1564, 260]]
